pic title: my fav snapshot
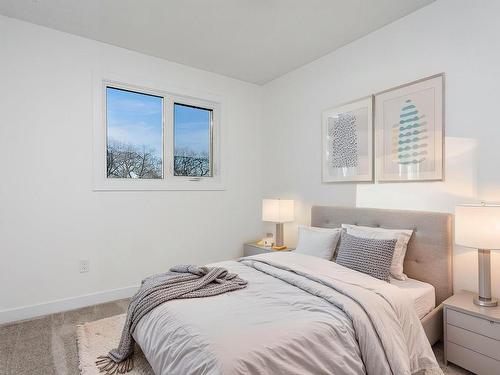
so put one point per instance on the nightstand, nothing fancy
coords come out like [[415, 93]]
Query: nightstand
[[254, 249], [471, 334]]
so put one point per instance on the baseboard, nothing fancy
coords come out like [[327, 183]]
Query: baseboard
[[28, 312]]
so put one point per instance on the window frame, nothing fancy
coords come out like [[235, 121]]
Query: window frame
[[105, 120], [169, 180], [202, 105]]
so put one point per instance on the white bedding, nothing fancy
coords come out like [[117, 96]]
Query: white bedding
[[298, 315], [422, 294]]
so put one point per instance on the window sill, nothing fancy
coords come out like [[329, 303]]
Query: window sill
[[183, 184]]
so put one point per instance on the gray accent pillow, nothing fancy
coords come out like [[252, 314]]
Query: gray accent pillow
[[370, 256]]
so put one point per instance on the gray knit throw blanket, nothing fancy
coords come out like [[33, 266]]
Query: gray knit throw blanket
[[182, 281]]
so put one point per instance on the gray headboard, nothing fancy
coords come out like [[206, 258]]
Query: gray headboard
[[428, 257]]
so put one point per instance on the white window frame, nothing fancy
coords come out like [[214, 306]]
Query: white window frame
[[169, 181]]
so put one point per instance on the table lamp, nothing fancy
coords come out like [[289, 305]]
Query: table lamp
[[478, 226], [278, 211]]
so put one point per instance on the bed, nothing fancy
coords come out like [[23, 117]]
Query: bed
[[305, 315], [429, 254]]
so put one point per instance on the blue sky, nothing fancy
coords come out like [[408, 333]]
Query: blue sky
[[192, 128], [137, 119]]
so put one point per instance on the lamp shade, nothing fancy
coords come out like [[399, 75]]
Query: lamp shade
[[478, 226], [277, 210]]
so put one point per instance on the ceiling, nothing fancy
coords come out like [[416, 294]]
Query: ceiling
[[251, 40]]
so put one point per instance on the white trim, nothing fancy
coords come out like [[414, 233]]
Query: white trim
[[28, 312], [168, 182]]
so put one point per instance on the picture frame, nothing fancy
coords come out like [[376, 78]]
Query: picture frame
[[409, 131], [347, 142]]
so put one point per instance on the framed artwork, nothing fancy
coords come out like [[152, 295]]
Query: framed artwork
[[348, 142], [409, 123]]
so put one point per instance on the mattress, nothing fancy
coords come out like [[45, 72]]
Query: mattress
[[423, 294]]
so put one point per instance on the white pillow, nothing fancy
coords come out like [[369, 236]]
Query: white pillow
[[318, 242], [402, 236]]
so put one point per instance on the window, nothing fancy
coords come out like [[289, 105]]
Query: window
[[147, 139], [192, 141], [134, 142]]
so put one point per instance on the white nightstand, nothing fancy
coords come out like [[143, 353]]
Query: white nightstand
[[471, 334], [254, 249]]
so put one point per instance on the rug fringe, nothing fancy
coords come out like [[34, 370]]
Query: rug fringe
[[110, 367]]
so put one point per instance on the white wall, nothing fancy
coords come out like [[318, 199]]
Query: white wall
[[49, 215], [292, 107], [458, 37]]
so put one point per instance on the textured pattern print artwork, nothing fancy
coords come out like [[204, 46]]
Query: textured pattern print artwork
[[344, 141], [409, 138]]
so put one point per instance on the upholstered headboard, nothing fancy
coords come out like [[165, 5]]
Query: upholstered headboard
[[428, 257]]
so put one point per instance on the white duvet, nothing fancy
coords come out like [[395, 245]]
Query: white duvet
[[298, 315]]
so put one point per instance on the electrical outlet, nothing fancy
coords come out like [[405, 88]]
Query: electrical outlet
[[84, 265]]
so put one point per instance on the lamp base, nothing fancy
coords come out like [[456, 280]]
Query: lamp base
[[484, 271], [485, 302], [279, 235]]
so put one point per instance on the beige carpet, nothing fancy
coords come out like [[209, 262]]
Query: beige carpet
[[99, 337]]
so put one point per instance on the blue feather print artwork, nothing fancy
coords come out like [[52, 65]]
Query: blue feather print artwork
[[410, 136]]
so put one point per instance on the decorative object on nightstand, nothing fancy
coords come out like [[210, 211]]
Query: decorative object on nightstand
[[471, 334], [253, 248], [278, 211], [478, 226], [267, 241]]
